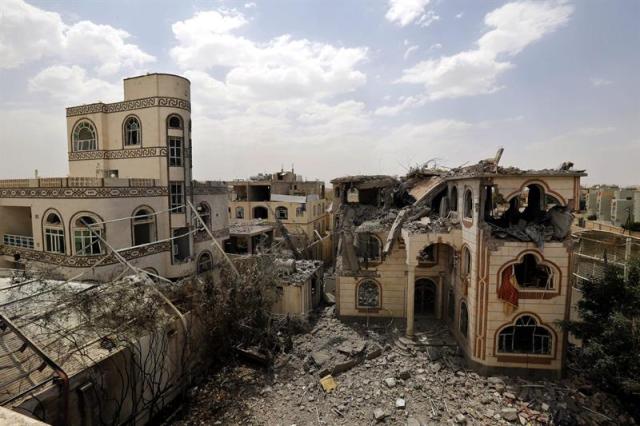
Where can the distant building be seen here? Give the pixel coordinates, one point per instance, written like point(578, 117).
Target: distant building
point(129, 184)
point(299, 205)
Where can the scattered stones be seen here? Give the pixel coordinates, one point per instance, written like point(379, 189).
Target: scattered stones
point(320, 358)
point(379, 414)
point(460, 419)
point(400, 403)
point(509, 395)
point(374, 352)
point(404, 374)
point(390, 382)
point(509, 414)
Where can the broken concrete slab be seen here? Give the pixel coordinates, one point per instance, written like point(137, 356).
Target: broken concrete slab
point(320, 358)
point(379, 414)
point(390, 382)
point(400, 403)
point(328, 383)
point(347, 365)
point(374, 352)
point(510, 414)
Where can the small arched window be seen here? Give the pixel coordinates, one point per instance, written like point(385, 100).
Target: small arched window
point(86, 236)
point(525, 336)
point(205, 263)
point(368, 294)
point(468, 204)
point(464, 319)
point(132, 132)
point(239, 212)
point(144, 226)
point(453, 199)
point(54, 234)
point(175, 122)
point(369, 247)
point(465, 269)
point(84, 137)
point(531, 274)
point(282, 212)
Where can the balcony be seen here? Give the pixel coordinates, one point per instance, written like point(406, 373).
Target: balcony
point(22, 241)
point(78, 182)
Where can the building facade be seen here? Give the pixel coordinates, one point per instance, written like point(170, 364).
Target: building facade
point(484, 248)
point(129, 187)
point(299, 205)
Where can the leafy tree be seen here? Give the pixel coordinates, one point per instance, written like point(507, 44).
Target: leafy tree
point(609, 327)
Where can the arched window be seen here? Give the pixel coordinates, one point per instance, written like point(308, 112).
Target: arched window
point(451, 306)
point(464, 319)
point(205, 263)
point(468, 204)
point(428, 254)
point(239, 212)
point(526, 336)
point(260, 212)
point(531, 274)
point(84, 137)
point(132, 132)
point(453, 199)
point(282, 212)
point(465, 267)
point(54, 233)
point(86, 233)
point(368, 294)
point(144, 226)
point(174, 122)
point(369, 247)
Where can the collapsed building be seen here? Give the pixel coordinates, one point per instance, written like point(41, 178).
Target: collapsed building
point(485, 248)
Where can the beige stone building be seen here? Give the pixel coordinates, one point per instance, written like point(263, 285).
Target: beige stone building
point(484, 248)
point(299, 205)
point(129, 187)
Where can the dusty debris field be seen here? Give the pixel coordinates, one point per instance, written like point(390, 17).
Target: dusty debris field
point(383, 378)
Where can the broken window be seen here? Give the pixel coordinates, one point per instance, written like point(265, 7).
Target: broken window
point(239, 212)
point(143, 227)
point(429, 254)
point(176, 192)
point(205, 263)
point(132, 132)
point(54, 234)
point(175, 152)
point(84, 137)
point(86, 236)
point(525, 337)
point(464, 319)
point(453, 199)
point(181, 248)
point(530, 273)
point(368, 294)
point(369, 248)
point(468, 204)
point(465, 269)
point(204, 211)
point(175, 122)
point(282, 212)
point(260, 212)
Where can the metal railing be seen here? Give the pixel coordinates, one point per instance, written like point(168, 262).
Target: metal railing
point(18, 241)
point(77, 182)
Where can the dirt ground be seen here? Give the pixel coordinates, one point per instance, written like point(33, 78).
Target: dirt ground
point(382, 377)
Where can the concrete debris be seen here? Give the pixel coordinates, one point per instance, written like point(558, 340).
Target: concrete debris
point(390, 382)
point(400, 403)
point(328, 383)
point(297, 272)
point(434, 392)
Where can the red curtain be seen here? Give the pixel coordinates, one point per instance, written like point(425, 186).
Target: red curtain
point(508, 290)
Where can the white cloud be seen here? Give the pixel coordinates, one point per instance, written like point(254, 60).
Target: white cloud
point(404, 12)
point(282, 67)
point(428, 18)
point(249, 5)
point(72, 86)
point(28, 33)
point(459, 15)
point(476, 71)
point(599, 82)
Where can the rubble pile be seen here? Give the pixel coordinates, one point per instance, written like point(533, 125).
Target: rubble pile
point(353, 374)
point(433, 223)
point(296, 271)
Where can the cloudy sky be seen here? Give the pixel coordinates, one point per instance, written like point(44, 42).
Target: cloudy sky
point(338, 87)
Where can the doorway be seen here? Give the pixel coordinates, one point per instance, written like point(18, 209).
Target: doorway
point(425, 297)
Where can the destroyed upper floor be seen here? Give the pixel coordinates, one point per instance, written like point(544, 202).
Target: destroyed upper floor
point(280, 186)
point(522, 205)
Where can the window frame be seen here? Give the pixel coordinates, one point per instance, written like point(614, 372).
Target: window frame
point(180, 121)
point(467, 199)
point(128, 132)
point(525, 321)
point(370, 236)
point(239, 212)
point(148, 219)
point(77, 143)
point(379, 295)
point(54, 234)
point(83, 236)
point(279, 215)
point(176, 206)
point(175, 151)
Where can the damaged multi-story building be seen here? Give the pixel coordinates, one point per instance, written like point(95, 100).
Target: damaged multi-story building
point(285, 200)
point(129, 189)
point(485, 248)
